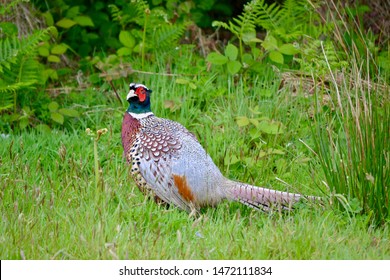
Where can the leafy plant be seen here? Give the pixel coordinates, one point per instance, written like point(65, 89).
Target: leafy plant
point(278, 52)
point(312, 58)
point(23, 75)
point(58, 114)
point(146, 30)
point(19, 66)
point(282, 23)
point(230, 59)
point(284, 42)
point(244, 26)
point(83, 28)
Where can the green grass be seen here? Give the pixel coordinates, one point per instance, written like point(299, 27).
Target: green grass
point(353, 146)
point(51, 209)
point(352, 139)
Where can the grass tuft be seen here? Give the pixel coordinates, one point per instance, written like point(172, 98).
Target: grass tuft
point(352, 137)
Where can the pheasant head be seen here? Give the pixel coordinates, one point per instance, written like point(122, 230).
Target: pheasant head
point(139, 99)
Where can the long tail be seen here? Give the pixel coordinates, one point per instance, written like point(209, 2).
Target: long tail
point(265, 199)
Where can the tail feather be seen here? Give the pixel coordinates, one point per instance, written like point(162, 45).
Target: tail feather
point(265, 199)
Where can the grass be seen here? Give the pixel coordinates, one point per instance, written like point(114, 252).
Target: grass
point(52, 209)
point(352, 141)
point(353, 147)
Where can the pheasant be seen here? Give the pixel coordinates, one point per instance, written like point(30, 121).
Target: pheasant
point(170, 164)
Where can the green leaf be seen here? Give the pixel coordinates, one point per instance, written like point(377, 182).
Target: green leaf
point(247, 59)
point(216, 58)
point(276, 56)
point(54, 32)
point(356, 205)
point(53, 75)
point(270, 43)
point(53, 106)
point(192, 85)
point(65, 23)
point(233, 67)
point(242, 121)
point(270, 127)
point(127, 39)
point(27, 111)
point(182, 81)
point(255, 122)
point(272, 151)
point(23, 122)
point(48, 18)
point(230, 160)
point(256, 110)
point(231, 52)
point(185, 82)
point(57, 117)
point(50, 73)
point(83, 20)
point(256, 52)
point(44, 128)
point(72, 11)
point(249, 36)
point(92, 36)
point(53, 58)
point(59, 49)
point(124, 51)
point(43, 51)
point(266, 92)
point(288, 49)
point(138, 48)
point(69, 112)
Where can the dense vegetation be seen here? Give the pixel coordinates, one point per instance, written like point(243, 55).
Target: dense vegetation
point(290, 96)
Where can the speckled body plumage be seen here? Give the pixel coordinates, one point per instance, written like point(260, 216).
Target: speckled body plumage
point(169, 163)
point(166, 153)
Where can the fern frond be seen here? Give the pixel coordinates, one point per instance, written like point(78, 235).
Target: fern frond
point(287, 21)
point(116, 13)
point(6, 97)
point(24, 73)
point(230, 27)
point(8, 89)
point(12, 48)
point(18, 65)
point(268, 16)
point(133, 12)
point(9, 49)
point(29, 71)
point(295, 14)
point(313, 55)
point(168, 35)
point(295, 11)
point(244, 23)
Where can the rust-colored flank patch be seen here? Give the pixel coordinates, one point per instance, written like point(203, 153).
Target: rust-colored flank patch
point(183, 188)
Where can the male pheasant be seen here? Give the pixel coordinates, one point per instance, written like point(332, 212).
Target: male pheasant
point(170, 164)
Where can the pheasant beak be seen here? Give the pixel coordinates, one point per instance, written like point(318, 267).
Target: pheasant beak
point(131, 94)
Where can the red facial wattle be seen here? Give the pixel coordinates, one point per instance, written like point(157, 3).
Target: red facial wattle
point(141, 93)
